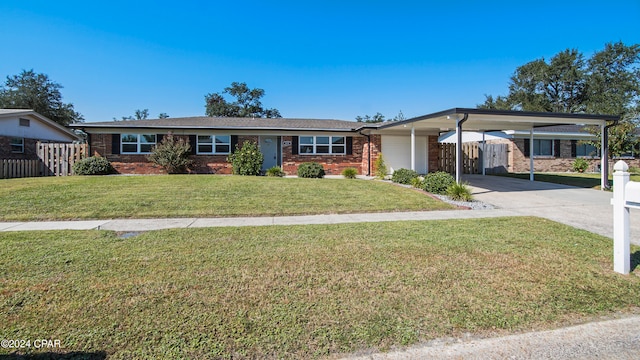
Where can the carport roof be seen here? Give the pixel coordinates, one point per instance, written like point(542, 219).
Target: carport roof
point(490, 119)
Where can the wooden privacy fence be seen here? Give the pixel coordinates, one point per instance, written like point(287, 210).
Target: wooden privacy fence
point(470, 158)
point(14, 168)
point(58, 159)
point(54, 159)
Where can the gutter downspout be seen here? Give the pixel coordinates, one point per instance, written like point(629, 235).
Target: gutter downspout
point(604, 163)
point(459, 147)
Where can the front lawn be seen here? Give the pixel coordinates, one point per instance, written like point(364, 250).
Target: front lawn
point(303, 291)
point(163, 196)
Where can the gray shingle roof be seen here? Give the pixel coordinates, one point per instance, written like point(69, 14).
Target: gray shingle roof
point(204, 122)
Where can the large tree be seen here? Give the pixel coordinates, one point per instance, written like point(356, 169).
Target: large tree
point(246, 103)
point(30, 90)
point(607, 83)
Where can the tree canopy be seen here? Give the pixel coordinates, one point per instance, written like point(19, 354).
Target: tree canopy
point(245, 103)
point(378, 118)
point(606, 83)
point(29, 90)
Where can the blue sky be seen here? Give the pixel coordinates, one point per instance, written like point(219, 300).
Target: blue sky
point(315, 59)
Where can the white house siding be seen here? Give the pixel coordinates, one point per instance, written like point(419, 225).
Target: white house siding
point(10, 127)
point(397, 152)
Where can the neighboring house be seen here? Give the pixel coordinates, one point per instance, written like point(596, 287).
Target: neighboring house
point(337, 144)
point(21, 129)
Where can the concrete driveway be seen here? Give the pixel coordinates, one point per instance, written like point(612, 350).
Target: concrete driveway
point(581, 208)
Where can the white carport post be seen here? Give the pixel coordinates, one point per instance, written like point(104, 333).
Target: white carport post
point(413, 148)
point(483, 145)
point(531, 154)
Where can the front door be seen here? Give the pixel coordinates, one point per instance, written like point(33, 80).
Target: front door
point(269, 147)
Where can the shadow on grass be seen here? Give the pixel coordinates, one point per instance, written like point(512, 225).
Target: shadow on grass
point(76, 355)
point(635, 260)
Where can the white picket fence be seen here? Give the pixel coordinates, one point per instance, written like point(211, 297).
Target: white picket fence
point(626, 195)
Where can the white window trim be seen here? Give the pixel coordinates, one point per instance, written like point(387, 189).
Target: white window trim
point(21, 145)
point(213, 145)
point(138, 143)
point(315, 144)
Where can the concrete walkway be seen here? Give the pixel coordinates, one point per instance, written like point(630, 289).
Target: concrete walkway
point(158, 224)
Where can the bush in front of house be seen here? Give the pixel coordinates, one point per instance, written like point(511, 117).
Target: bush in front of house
point(580, 165)
point(459, 192)
point(246, 160)
point(275, 171)
point(94, 165)
point(172, 154)
point(350, 173)
point(404, 176)
point(438, 182)
point(310, 170)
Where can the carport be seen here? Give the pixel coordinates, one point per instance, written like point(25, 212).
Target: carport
point(487, 120)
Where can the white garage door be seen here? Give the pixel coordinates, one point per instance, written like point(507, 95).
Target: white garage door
point(397, 153)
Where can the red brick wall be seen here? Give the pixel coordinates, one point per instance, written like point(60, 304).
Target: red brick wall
point(30, 149)
point(433, 149)
point(333, 164)
point(217, 164)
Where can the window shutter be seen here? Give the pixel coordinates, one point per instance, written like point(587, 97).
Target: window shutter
point(349, 145)
point(159, 138)
point(193, 142)
point(234, 142)
point(527, 145)
point(556, 148)
point(573, 148)
point(294, 145)
point(115, 143)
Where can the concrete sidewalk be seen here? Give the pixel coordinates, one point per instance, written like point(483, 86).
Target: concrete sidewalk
point(126, 225)
point(609, 339)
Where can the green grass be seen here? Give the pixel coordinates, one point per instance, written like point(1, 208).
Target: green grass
point(303, 291)
point(104, 197)
point(589, 180)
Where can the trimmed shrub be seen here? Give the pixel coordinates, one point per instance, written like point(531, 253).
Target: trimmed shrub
point(380, 168)
point(580, 165)
point(275, 171)
point(438, 182)
point(403, 176)
point(459, 192)
point(95, 165)
point(417, 182)
point(310, 170)
point(246, 160)
point(350, 173)
point(172, 155)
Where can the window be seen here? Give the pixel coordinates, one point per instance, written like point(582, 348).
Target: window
point(542, 147)
point(214, 144)
point(586, 150)
point(25, 122)
point(137, 143)
point(322, 145)
point(17, 145)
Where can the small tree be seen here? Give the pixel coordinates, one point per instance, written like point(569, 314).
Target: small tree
point(380, 168)
point(172, 155)
point(246, 160)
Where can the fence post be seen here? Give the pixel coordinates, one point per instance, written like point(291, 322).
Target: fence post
point(621, 248)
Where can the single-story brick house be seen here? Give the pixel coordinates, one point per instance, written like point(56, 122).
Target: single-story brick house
point(21, 129)
point(336, 144)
